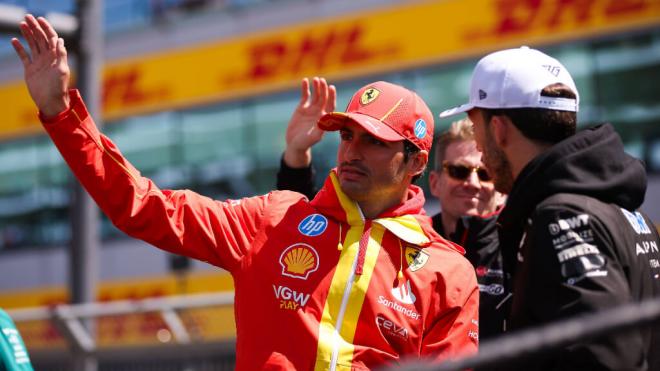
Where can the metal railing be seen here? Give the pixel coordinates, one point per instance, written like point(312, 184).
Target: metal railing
point(513, 347)
point(69, 319)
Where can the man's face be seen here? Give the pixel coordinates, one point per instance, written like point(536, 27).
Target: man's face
point(370, 169)
point(468, 196)
point(493, 156)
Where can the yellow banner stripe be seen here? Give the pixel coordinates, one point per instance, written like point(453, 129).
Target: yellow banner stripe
point(343, 47)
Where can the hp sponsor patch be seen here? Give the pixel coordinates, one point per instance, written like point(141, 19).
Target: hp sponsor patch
point(313, 225)
point(420, 128)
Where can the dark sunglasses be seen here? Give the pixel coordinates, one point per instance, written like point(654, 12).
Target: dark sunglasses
point(462, 172)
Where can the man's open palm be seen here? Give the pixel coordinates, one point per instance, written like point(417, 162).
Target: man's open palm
point(302, 132)
point(46, 68)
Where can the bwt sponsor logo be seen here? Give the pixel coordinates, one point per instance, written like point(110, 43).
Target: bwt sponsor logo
point(290, 299)
point(391, 328)
point(568, 224)
point(313, 225)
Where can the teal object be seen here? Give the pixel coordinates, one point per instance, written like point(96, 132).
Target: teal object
point(13, 353)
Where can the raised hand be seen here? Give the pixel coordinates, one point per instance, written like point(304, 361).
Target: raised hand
point(46, 68)
point(302, 132)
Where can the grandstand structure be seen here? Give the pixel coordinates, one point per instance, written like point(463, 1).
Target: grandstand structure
point(197, 94)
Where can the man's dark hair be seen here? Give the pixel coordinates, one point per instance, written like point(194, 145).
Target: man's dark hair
point(409, 149)
point(541, 124)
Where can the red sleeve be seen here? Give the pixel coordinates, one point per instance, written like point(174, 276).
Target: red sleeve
point(179, 221)
point(454, 332)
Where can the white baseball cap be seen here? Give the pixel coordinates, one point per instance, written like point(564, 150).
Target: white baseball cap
point(514, 78)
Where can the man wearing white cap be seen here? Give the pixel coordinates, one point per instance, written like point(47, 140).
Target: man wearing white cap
point(352, 280)
point(570, 233)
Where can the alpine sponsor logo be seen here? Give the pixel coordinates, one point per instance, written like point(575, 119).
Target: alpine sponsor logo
point(494, 289)
point(388, 327)
point(290, 299)
point(313, 225)
point(403, 293)
point(299, 261)
point(416, 258)
point(646, 247)
point(574, 222)
point(577, 251)
point(399, 308)
point(636, 221)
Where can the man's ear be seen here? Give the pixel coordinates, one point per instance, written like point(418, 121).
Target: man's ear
point(434, 182)
point(418, 162)
point(500, 128)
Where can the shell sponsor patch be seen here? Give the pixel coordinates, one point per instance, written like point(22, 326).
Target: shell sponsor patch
point(299, 261)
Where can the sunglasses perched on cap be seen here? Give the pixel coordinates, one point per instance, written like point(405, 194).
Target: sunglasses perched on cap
point(462, 172)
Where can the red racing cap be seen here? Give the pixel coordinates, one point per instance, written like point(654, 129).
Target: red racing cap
point(387, 111)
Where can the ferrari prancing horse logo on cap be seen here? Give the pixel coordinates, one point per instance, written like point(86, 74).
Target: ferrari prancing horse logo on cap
point(369, 96)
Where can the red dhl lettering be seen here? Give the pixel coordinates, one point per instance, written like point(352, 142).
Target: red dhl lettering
point(122, 88)
point(316, 50)
point(514, 17)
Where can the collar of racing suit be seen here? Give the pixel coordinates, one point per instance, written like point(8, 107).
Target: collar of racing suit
point(407, 221)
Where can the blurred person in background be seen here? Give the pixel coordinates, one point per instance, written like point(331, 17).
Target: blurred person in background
point(571, 234)
point(460, 181)
point(354, 279)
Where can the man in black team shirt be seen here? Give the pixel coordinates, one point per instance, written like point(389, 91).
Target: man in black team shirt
point(459, 180)
point(571, 234)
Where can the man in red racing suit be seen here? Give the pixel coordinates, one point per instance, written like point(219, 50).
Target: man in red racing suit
point(339, 282)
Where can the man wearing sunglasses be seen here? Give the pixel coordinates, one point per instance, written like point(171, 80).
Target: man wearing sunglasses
point(571, 234)
point(460, 181)
point(469, 207)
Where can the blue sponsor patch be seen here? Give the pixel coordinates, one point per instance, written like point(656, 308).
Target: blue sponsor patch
point(313, 225)
point(420, 128)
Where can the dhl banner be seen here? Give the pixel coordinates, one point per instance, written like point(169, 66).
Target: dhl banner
point(212, 323)
point(387, 39)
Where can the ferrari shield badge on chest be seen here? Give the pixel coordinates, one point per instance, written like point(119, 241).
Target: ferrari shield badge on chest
point(416, 258)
